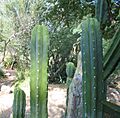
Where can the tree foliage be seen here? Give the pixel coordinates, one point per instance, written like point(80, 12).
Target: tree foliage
point(17, 18)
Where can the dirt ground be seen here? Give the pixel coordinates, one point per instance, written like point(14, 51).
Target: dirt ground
point(56, 97)
point(56, 100)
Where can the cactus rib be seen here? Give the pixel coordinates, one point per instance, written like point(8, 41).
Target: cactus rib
point(38, 81)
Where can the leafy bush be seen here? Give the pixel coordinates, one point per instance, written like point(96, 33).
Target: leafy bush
point(8, 62)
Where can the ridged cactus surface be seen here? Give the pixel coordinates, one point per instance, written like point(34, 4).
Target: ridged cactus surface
point(112, 57)
point(38, 80)
point(70, 69)
point(102, 11)
point(19, 103)
point(91, 45)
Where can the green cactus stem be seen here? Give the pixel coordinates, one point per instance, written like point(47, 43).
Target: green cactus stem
point(112, 56)
point(102, 11)
point(92, 84)
point(19, 103)
point(70, 70)
point(38, 80)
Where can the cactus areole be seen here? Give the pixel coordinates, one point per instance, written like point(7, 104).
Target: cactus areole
point(38, 80)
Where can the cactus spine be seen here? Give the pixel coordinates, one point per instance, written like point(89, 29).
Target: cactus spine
point(38, 80)
point(91, 45)
point(19, 103)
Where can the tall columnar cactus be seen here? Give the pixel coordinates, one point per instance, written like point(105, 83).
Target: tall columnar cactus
point(70, 70)
point(102, 11)
point(38, 80)
point(19, 103)
point(91, 45)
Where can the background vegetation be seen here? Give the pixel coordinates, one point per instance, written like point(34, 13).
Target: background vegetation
point(18, 17)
